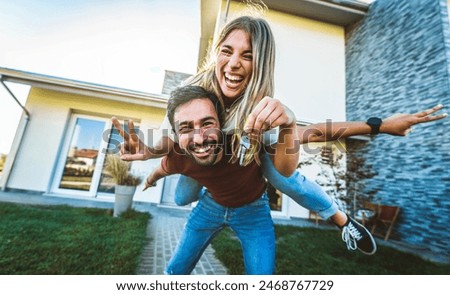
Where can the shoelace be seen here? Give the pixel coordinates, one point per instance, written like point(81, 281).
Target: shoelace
point(350, 235)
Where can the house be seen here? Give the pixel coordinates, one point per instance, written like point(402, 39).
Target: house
point(336, 60)
point(75, 114)
point(60, 142)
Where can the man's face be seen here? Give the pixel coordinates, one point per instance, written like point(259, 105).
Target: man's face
point(198, 130)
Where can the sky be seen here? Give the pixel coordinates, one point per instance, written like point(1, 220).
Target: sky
point(121, 43)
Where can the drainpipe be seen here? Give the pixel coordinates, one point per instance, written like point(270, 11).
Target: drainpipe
point(227, 9)
point(7, 168)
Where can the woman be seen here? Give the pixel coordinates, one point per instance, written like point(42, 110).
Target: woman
point(240, 71)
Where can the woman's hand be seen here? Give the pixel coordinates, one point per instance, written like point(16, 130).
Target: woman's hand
point(401, 124)
point(269, 113)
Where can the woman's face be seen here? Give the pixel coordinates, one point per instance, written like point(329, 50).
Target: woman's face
point(234, 64)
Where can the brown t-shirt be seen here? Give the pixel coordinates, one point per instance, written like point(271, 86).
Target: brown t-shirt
point(230, 185)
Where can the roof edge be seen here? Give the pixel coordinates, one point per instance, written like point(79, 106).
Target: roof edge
point(83, 88)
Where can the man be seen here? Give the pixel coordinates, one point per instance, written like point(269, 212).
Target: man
point(235, 194)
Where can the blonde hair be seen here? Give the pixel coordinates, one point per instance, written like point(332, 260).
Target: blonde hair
point(261, 83)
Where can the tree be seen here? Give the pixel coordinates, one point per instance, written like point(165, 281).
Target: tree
point(357, 171)
point(341, 177)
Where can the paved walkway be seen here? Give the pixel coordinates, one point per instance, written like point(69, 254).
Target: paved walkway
point(164, 230)
point(165, 227)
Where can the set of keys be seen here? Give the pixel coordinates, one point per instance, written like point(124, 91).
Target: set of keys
point(244, 146)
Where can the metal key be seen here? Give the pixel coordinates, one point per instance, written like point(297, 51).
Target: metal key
point(244, 146)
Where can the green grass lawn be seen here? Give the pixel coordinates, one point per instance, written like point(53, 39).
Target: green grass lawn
point(303, 251)
point(66, 240)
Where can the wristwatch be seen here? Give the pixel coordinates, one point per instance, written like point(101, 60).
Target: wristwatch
point(375, 124)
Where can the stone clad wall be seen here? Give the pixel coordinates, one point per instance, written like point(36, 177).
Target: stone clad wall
point(397, 60)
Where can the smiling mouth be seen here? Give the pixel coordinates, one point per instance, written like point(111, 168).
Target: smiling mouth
point(233, 80)
point(203, 150)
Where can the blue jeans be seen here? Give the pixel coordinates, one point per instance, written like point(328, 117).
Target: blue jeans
point(303, 191)
point(252, 224)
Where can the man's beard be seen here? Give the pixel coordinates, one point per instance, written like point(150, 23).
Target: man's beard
point(210, 146)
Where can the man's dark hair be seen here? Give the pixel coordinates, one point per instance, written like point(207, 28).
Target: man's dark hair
point(184, 94)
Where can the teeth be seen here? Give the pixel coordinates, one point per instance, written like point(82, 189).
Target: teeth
point(202, 150)
point(233, 78)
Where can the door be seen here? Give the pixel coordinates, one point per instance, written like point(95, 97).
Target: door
point(88, 142)
point(104, 187)
point(277, 201)
point(170, 185)
point(77, 172)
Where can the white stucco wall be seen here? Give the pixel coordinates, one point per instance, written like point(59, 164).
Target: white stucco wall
point(51, 111)
point(310, 67)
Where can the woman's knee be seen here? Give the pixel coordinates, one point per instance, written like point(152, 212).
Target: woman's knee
point(187, 191)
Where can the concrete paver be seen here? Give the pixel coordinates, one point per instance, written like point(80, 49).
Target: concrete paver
point(164, 230)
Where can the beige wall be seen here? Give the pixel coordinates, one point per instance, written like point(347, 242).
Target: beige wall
point(50, 113)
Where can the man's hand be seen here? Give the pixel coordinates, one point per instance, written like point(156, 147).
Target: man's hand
point(132, 148)
point(149, 182)
point(401, 124)
point(154, 176)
